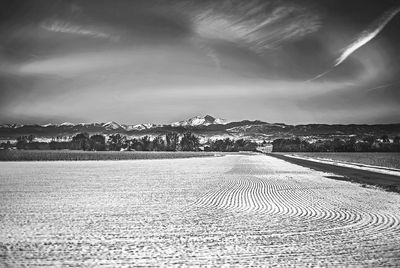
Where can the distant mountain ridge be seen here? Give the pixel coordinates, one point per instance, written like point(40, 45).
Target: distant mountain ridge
point(196, 121)
point(206, 127)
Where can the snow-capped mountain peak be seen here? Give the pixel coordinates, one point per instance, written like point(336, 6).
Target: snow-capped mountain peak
point(66, 124)
point(140, 126)
point(199, 121)
point(112, 125)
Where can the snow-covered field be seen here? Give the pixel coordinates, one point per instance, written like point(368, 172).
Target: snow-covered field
point(239, 210)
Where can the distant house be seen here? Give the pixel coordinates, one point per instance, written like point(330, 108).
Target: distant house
point(265, 149)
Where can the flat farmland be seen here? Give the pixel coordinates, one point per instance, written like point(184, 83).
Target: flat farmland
point(239, 209)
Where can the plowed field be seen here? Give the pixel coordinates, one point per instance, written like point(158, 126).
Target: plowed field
point(234, 210)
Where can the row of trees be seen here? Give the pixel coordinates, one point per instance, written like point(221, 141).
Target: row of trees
point(169, 142)
point(228, 145)
point(174, 141)
point(118, 142)
point(367, 144)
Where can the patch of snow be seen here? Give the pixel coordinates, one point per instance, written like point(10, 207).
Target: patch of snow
point(221, 121)
point(140, 126)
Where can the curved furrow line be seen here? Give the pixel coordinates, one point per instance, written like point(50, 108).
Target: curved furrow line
point(254, 195)
point(248, 203)
point(348, 218)
point(230, 197)
point(247, 198)
point(269, 191)
point(243, 198)
point(298, 202)
point(207, 198)
point(291, 197)
point(246, 195)
point(380, 223)
point(271, 199)
point(365, 220)
point(222, 197)
point(261, 197)
point(322, 213)
point(284, 200)
point(224, 201)
point(240, 196)
point(359, 220)
point(281, 203)
point(290, 205)
point(236, 200)
point(215, 199)
point(275, 197)
point(257, 194)
point(212, 198)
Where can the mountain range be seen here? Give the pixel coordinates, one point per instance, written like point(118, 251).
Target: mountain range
point(206, 127)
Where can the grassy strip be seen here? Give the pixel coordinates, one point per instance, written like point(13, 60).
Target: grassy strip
point(390, 160)
point(65, 155)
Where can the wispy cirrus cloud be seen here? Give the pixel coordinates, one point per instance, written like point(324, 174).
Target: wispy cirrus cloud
point(60, 26)
point(252, 24)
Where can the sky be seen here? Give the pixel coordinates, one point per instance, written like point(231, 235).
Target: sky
point(160, 61)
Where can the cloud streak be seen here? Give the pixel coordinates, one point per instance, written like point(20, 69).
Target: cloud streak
point(367, 35)
point(362, 39)
point(60, 26)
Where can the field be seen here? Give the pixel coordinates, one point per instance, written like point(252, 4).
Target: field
point(69, 155)
point(236, 210)
point(391, 160)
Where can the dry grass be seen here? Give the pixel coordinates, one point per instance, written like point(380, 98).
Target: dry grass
point(66, 155)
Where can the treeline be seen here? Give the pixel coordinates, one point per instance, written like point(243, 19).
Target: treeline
point(229, 145)
point(366, 144)
point(169, 142)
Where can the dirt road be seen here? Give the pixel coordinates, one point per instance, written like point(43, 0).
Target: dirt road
point(388, 182)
